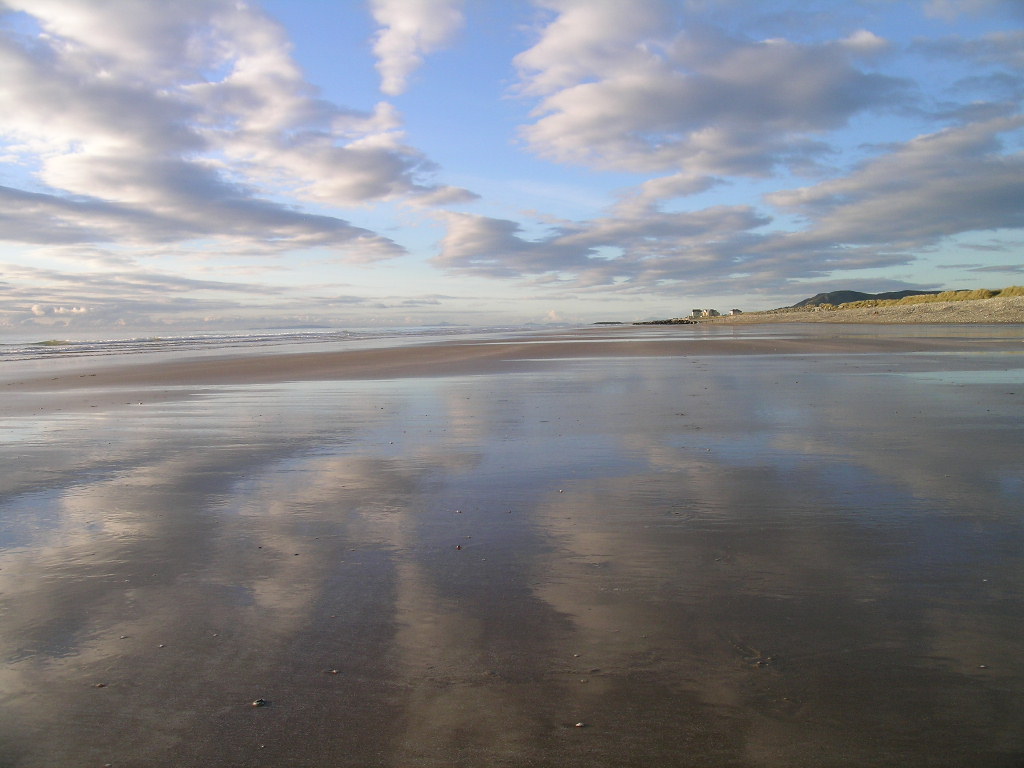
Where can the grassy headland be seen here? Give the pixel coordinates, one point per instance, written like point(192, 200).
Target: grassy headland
point(974, 306)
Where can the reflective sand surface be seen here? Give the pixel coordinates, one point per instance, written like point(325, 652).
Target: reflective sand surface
point(765, 560)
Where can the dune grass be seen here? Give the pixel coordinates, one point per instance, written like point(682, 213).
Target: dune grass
point(979, 293)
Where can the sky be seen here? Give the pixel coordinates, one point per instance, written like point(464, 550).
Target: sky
point(223, 164)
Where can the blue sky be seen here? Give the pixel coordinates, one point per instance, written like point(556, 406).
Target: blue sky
point(212, 164)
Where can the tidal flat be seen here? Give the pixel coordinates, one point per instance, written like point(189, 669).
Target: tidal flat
point(717, 546)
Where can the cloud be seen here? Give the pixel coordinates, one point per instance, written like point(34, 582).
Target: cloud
point(865, 42)
point(624, 253)
point(57, 286)
point(195, 204)
point(40, 310)
point(33, 296)
point(137, 132)
point(1012, 269)
point(153, 123)
point(493, 247)
point(587, 39)
point(940, 184)
point(935, 186)
point(1004, 48)
point(410, 29)
point(950, 10)
point(621, 88)
point(29, 295)
point(443, 196)
point(29, 217)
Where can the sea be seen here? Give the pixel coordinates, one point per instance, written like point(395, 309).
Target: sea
point(25, 347)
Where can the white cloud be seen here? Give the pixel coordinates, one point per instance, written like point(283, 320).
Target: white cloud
point(150, 122)
point(957, 180)
point(650, 247)
point(493, 247)
point(443, 196)
point(410, 29)
point(29, 295)
point(935, 186)
point(147, 298)
point(626, 88)
point(590, 39)
point(865, 41)
point(139, 133)
point(623, 88)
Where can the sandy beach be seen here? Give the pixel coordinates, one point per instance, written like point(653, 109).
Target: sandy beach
point(103, 382)
point(721, 545)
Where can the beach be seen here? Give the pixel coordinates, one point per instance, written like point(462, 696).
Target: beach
point(708, 545)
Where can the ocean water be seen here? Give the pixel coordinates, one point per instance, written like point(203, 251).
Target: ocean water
point(38, 347)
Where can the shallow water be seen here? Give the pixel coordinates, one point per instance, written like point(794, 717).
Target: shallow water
point(716, 561)
point(19, 347)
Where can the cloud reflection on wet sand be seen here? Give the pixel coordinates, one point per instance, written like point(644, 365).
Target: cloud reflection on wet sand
point(757, 561)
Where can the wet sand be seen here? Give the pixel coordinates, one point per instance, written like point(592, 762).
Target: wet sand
point(109, 382)
point(628, 546)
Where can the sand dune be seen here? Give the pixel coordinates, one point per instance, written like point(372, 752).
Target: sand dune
point(997, 310)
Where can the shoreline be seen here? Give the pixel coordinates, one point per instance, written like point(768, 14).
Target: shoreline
point(112, 382)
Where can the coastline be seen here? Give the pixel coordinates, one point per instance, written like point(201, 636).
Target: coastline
point(112, 382)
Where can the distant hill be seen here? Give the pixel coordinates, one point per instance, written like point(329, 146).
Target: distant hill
point(843, 297)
